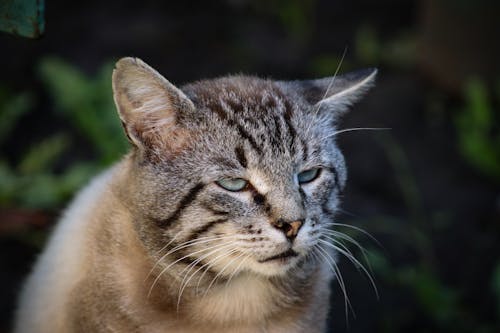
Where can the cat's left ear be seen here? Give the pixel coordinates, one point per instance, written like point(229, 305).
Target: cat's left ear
point(337, 92)
point(149, 107)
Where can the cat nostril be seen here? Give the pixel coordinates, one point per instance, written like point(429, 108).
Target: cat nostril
point(290, 229)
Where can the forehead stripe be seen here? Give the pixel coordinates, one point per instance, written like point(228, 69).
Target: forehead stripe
point(291, 130)
point(231, 122)
point(240, 156)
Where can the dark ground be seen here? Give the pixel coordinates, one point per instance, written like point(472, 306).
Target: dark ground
point(436, 216)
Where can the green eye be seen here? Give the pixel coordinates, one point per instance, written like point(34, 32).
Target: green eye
point(232, 184)
point(308, 175)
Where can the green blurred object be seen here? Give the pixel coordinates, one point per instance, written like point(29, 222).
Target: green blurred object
point(479, 140)
point(398, 51)
point(23, 17)
point(12, 107)
point(88, 103)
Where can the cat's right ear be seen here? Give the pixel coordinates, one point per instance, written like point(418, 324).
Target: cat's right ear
point(338, 92)
point(148, 106)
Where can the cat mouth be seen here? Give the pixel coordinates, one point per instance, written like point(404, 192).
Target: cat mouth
point(281, 257)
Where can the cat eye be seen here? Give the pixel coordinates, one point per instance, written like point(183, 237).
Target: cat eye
point(308, 176)
point(232, 184)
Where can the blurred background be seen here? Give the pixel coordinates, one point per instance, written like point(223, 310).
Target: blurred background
point(427, 190)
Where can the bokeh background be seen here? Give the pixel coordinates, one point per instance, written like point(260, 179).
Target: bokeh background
point(427, 189)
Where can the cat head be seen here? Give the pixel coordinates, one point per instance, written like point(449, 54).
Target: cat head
point(233, 174)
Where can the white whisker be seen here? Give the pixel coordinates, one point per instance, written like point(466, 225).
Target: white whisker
point(220, 273)
point(173, 263)
point(355, 129)
point(364, 232)
point(334, 235)
point(184, 245)
point(318, 106)
point(355, 261)
point(185, 282)
point(236, 269)
point(333, 265)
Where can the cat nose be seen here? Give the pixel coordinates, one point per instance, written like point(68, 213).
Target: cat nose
point(290, 229)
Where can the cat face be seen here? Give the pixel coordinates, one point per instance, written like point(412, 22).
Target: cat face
point(233, 174)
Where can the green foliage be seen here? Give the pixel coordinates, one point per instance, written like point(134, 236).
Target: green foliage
point(34, 184)
point(295, 16)
point(439, 301)
point(12, 107)
point(398, 51)
point(325, 65)
point(88, 104)
point(477, 129)
point(422, 277)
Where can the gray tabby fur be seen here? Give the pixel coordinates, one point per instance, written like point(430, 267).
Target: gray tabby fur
point(155, 245)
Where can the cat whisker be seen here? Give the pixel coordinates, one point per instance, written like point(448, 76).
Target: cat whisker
point(221, 271)
point(194, 242)
point(190, 267)
point(355, 261)
point(236, 270)
point(175, 262)
point(339, 243)
point(199, 240)
point(354, 129)
point(199, 259)
point(327, 91)
point(185, 282)
point(364, 232)
point(333, 265)
point(334, 235)
point(168, 244)
point(210, 264)
point(343, 211)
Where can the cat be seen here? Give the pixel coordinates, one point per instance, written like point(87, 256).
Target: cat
point(215, 221)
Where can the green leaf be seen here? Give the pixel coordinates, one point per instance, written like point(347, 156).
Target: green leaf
point(475, 129)
point(41, 157)
point(9, 182)
point(439, 301)
point(88, 104)
point(11, 109)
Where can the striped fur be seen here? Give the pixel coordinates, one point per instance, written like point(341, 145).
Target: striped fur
point(160, 246)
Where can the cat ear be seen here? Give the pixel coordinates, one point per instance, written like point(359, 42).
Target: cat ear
point(337, 92)
point(148, 105)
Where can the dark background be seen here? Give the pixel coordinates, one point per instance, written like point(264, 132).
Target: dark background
point(428, 189)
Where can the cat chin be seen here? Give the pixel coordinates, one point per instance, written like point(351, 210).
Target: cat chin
point(278, 267)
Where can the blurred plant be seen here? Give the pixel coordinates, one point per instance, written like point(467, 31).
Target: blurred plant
point(296, 16)
point(477, 130)
point(30, 175)
point(446, 305)
point(325, 64)
point(398, 51)
point(88, 104)
point(12, 107)
point(33, 182)
point(369, 50)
